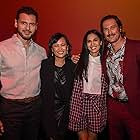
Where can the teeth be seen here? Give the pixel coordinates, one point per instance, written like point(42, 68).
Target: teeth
point(93, 48)
point(60, 52)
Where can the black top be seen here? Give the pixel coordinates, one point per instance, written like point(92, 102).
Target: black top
point(60, 83)
point(56, 90)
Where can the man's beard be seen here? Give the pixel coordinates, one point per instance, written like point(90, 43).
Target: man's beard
point(114, 40)
point(24, 37)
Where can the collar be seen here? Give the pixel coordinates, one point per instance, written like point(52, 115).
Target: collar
point(19, 42)
point(111, 48)
point(94, 59)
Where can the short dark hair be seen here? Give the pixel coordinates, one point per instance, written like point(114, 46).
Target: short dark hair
point(118, 21)
point(54, 38)
point(27, 10)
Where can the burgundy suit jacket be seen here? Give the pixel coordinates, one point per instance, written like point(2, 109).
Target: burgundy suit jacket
point(131, 75)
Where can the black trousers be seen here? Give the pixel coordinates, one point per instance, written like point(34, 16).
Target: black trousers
point(21, 120)
point(67, 135)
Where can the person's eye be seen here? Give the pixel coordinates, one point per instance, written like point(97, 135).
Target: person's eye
point(63, 44)
point(105, 29)
point(24, 23)
point(88, 41)
point(32, 24)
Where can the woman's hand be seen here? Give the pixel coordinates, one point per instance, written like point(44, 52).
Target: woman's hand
point(75, 58)
point(1, 128)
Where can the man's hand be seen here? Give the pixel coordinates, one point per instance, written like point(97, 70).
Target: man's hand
point(75, 58)
point(1, 128)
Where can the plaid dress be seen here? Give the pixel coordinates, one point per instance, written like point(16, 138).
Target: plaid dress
point(88, 111)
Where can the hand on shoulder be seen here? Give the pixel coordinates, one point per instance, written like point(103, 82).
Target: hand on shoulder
point(1, 128)
point(75, 58)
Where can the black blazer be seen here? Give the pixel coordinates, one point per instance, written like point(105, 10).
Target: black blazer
point(47, 93)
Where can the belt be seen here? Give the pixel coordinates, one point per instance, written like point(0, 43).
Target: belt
point(24, 100)
point(118, 100)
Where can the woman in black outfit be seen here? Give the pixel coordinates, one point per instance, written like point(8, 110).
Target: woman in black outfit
point(56, 88)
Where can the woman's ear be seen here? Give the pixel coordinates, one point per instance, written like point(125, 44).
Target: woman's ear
point(101, 43)
point(67, 48)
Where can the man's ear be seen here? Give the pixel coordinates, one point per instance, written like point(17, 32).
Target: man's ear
point(15, 24)
point(36, 26)
point(120, 29)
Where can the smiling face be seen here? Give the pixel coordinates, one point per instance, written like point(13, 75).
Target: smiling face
point(60, 48)
point(93, 44)
point(26, 26)
point(111, 30)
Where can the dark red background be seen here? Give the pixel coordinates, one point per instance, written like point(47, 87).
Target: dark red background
point(72, 17)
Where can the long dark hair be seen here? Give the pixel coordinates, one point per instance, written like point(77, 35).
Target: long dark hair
point(81, 69)
point(54, 38)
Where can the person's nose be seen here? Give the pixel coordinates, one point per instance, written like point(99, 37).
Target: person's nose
point(109, 31)
point(92, 43)
point(28, 26)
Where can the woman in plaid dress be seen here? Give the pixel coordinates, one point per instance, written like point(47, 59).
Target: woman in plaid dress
point(88, 112)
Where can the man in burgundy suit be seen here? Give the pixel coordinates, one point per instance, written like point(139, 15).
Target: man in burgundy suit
point(122, 64)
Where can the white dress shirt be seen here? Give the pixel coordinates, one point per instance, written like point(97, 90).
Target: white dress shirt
point(19, 68)
point(93, 86)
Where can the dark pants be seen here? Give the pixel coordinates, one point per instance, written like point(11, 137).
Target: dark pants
point(21, 120)
point(122, 124)
point(68, 135)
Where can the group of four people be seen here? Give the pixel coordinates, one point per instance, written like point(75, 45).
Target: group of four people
point(101, 87)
